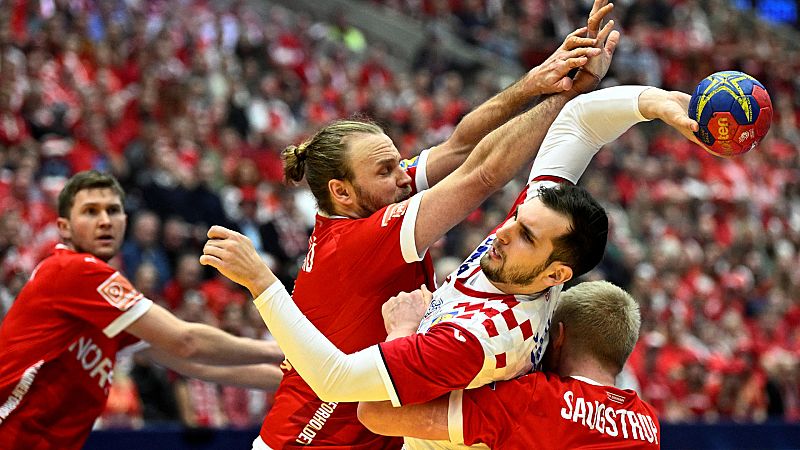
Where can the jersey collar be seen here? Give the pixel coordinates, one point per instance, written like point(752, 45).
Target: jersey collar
point(585, 380)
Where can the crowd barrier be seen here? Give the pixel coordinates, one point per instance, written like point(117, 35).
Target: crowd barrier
point(769, 436)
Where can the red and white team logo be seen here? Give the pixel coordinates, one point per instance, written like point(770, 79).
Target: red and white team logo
point(393, 211)
point(119, 292)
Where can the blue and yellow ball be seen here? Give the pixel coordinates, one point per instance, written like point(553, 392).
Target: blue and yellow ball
point(734, 112)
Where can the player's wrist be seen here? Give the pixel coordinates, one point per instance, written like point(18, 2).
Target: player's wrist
point(261, 283)
point(400, 333)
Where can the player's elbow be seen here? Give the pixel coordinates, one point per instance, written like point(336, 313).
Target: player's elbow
point(372, 416)
point(488, 180)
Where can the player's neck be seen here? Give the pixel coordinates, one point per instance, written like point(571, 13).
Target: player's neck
point(533, 289)
point(586, 367)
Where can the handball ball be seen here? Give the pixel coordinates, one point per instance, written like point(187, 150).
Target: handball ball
point(733, 110)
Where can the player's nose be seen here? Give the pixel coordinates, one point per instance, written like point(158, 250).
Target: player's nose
point(404, 179)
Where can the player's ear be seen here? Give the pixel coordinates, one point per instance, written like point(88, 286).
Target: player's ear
point(341, 192)
point(559, 341)
point(558, 273)
point(64, 228)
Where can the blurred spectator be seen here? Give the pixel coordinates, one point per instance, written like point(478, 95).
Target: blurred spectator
point(185, 284)
point(189, 103)
point(144, 246)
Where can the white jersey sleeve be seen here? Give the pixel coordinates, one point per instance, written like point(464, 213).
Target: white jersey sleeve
point(585, 124)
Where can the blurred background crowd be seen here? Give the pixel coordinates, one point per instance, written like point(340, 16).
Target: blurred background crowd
point(189, 103)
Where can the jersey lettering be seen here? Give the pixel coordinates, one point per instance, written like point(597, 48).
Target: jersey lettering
point(91, 358)
point(315, 424)
point(606, 420)
point(20, 390)
point(308, 263)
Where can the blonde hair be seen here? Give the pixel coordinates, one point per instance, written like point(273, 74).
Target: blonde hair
point(323, 157)
point(601, 320)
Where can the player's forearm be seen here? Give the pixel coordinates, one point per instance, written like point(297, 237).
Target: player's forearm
point(495, 161)
point(255, 376)
point(505, 150)
point(332, 375)
point(482, 120)
point(211, 345)
point(423, 421)
point(584, 125)
point(491, 115)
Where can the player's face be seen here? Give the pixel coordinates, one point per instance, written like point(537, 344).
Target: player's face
point(378, 179)
point(96, 223)
point(518, 259)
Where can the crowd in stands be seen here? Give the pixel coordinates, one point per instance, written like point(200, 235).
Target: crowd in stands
point(189, 105)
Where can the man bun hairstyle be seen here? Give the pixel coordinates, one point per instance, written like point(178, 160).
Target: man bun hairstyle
point(323, 157)
point(88, 179)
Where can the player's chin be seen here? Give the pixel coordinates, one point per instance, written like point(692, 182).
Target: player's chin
point(405, 194)
point(106, 251)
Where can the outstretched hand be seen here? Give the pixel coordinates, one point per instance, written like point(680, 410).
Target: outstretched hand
point(551, 76)
point(670, 107)
point(591, 73)
point(235, 257)
point(403, 312)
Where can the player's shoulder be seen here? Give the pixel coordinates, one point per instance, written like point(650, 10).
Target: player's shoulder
point(72, 263)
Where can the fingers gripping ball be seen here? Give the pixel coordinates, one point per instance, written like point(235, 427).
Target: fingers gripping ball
point(734, 112)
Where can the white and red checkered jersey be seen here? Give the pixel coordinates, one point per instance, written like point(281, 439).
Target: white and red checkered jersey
point(352, 267)
point(472, 333)
point(542, 410)
point(58, 345)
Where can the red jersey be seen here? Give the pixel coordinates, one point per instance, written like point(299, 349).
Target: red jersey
point(353, 266)
point(58, 344)
point(493, 336)
point(542, 410)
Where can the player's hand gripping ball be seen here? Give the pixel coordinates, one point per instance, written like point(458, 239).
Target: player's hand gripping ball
point(733, 110)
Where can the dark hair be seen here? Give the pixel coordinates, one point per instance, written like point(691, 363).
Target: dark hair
point(323, 157)
point(584, 244)
point(88, 179)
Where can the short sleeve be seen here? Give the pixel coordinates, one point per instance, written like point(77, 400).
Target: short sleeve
point(94, 292)
point(397, 223)
point(488, 414)
point(422, 367)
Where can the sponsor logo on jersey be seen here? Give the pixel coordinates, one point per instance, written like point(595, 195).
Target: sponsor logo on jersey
point(616, 398)
point(119, 292)
point(393, 211)
point(434, 307)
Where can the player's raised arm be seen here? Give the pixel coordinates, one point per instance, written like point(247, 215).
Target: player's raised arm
point(500, 154)
point(592, 120)
point(550, 77)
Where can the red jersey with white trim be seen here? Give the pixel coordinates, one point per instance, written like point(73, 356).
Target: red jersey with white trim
point(492, 335)
point(543, 410)
point(58, 345)
point(353, 266)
